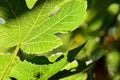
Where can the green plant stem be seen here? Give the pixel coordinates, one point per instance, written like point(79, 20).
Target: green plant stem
point(10, 63)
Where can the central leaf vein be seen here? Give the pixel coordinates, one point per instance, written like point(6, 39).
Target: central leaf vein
point(35, 21)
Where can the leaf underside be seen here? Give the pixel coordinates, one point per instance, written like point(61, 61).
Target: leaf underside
point(34, 29)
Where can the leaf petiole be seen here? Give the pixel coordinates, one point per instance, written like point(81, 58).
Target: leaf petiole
point(10, 62)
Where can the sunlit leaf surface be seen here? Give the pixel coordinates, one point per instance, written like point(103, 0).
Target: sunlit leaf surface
point(34, 29)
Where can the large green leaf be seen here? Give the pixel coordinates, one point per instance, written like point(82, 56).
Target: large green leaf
point(25, 71)
point(34, 29)
point(46, 71)
point(28, 71)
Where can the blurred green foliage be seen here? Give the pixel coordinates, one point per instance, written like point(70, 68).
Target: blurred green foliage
point(101, 30)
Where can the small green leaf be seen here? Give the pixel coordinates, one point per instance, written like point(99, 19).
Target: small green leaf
point(30, 3)
point(25, 71)
point(53, 57)
point(71, 65)
point(29, 71)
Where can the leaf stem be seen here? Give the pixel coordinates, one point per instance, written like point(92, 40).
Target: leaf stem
point(10, 62)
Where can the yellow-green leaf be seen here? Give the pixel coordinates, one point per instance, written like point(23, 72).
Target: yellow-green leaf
point(30, 3)
point(34, 30)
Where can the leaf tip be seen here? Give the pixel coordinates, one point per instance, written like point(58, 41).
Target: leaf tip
point(30, 3)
